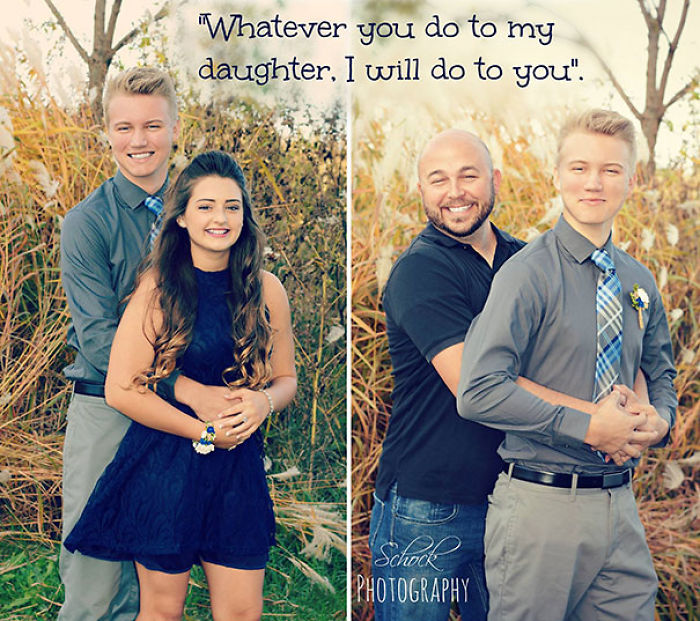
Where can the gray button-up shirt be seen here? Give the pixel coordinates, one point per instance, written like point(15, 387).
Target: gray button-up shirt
point(540, 322)
point(103, 240)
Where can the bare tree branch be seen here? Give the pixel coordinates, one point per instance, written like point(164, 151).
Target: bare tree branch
point(645, 11)
point(69, 33)
point(653, 28)
point(585, 43)
point(683, 92)
point(673, 46)
point(111, 27)
point(103, 49)
point(651, 115)
point(661, 11)
point(98, 32)
point(131, 35)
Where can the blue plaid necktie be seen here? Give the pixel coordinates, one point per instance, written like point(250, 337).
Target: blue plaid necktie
point(609, 321)
point(154, 204)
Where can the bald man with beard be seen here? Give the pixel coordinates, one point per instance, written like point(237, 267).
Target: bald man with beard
point(436, 469)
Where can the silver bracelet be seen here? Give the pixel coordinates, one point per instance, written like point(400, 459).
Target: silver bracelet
point(269, 400)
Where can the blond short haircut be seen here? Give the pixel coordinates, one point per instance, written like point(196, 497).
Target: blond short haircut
point(598, 121)
point(140, 81)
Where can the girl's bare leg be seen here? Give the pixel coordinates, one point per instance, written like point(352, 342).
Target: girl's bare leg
point(162, 594)
point(236, 594)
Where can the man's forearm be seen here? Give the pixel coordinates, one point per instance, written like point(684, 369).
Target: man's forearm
point(555, 397)
point(166, 386)
point(559, 398)
point(186, 390)
point(209, 402)
point(496, 400)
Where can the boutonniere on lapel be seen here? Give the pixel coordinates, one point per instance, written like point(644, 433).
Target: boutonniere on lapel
point(640, 302)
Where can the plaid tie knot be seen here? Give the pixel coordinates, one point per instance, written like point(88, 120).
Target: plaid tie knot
point(154, 204)
point(611, 282)
point(602, 260)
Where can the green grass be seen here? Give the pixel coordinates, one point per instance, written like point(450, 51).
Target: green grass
point(29, 583)
point(30, 587)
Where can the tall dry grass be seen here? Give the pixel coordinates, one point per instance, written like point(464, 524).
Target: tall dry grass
point(50, 159)
point(659, 226)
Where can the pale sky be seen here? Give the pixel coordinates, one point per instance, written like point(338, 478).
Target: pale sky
point(615, 27)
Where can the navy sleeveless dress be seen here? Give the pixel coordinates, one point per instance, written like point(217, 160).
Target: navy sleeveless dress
point(164, 505)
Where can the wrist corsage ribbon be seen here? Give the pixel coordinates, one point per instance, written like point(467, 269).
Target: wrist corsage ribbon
point(205, 444)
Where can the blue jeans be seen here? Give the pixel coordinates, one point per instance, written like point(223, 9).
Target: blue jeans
point(424, 556)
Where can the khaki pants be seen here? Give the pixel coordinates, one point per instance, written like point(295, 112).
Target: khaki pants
point(95, 590)
point(557, 555)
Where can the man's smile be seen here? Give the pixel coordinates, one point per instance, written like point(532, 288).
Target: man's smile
point(460, 208)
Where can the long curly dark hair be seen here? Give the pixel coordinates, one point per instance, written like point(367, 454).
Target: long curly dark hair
point(175, 294)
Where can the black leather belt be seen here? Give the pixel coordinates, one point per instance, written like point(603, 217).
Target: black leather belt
point(585, 481)
point(91, 390)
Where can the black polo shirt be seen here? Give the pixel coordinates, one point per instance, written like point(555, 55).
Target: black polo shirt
point(435, 289)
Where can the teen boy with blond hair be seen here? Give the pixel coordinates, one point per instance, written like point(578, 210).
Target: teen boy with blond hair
point(103, 240)
point(578, 315)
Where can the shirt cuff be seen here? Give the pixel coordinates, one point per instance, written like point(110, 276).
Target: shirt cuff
point(668, 417)
point(571, 427)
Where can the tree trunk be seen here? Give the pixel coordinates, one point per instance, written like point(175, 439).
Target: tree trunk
point(658, 68)
point(650, 128)
point(103, 46)
point(97, 74)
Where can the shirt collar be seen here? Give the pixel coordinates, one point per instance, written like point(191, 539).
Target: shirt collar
point(439, 237)
point(578, 246)
point(132, 194)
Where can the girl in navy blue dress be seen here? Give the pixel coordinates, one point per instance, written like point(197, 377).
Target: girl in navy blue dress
point(180, 490)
